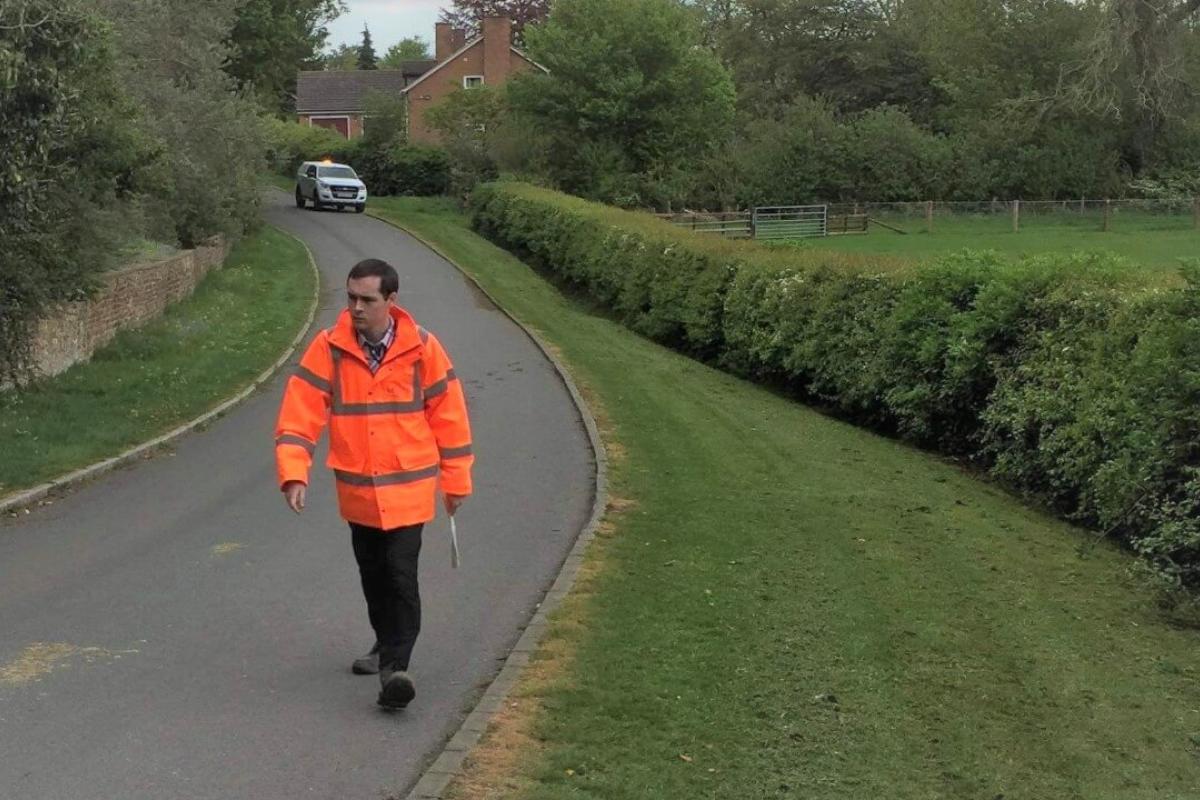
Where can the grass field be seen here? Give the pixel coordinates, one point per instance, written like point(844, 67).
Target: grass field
point(782, 605)
point(1158, 242)
point(151, 379)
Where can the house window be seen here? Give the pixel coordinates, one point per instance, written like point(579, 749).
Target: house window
point(472, 81)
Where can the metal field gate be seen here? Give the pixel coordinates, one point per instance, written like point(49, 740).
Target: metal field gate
point(789, 222)
point(766, 222)
point(730, 224)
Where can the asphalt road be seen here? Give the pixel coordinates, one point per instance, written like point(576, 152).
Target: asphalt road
point(172, 631)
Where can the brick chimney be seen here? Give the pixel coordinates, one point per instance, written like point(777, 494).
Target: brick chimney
point(443, 41)
point(497, 41)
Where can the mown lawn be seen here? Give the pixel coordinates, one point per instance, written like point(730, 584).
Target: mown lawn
point(1155, 242)
point(783, 605)
point(151, 379)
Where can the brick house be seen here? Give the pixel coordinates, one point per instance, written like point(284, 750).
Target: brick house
point(337, 99)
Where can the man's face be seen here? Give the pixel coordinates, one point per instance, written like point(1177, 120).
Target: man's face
point(368, 307)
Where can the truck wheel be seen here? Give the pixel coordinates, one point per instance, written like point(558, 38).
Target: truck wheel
point(360, 208)
point(299, 198)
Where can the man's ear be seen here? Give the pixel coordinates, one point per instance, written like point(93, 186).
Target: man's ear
point(391, 298)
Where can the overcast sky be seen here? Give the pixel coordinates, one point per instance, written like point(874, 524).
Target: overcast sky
point(389, 21)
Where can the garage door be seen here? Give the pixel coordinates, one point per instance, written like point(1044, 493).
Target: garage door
point(339, 124)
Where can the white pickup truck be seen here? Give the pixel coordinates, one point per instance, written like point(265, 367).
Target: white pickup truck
point(329, 185)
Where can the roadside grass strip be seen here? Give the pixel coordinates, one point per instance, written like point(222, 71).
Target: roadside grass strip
point(784, 605)
point(153, 378)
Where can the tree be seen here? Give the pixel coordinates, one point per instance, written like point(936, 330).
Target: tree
point(848, 51)
point(466, 14)
point(366, 52)
point(171, 54)
point(631, 101)
point(271, 40)
point(341, 57)
point(1135, 70)
point(72, 162)
point(413, 48)
point(467, 121)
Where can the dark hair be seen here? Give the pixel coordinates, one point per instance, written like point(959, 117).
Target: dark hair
point(389, 281)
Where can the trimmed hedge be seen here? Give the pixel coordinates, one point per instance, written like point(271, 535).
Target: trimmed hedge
point(1075, 378)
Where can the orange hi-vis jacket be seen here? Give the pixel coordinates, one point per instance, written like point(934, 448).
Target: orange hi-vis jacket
point(390, 434)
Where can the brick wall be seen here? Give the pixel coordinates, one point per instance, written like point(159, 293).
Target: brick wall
point(128, 297)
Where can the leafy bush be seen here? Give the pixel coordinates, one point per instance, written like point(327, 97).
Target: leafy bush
point(405, 170)
point(467, 121)
point(387, 166)
point(1074, 378)
point(291, 143)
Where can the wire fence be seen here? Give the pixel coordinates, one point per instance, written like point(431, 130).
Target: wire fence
point(1017, 215)
point(984, 216)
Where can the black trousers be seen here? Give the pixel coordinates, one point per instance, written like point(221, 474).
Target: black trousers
point(387, 564)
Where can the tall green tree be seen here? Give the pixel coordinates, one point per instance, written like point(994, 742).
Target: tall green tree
point(1139, 70)
point(631, 102)
point(467, 14)
point(171, 55)
point(271, 40)
point(72, 161)
point(412, 48)
point(844, 50)
point(366, 52)
point(340, 58)
point(467, 122)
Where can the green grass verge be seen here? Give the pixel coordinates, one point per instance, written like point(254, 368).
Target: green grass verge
point(1156, 242)
point(284, 182)
point(149, 380)
point(793, 607)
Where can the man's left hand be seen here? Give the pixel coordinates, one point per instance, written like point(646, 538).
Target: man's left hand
point(453, 501)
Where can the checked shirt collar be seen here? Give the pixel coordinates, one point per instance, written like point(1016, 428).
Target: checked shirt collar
point(375, 352)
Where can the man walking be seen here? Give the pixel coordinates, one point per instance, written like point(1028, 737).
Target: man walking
point(397, 421)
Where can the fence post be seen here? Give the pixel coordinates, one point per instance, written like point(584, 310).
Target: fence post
point(1107, 214)
point(1016, 216)
point(1196, 212)
point(754, 223)
point(1082, 206)
point(929, 216)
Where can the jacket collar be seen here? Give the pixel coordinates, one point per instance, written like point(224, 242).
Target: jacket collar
point(344, 337)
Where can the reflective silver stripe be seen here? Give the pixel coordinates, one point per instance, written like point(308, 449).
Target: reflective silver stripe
point(310, 377)
point(336, 377)
point(441, 386)
point(289, 438)
point(388, 478)
point(455, 452)
point(424, 334)
point(418, 371)
point(363, 409)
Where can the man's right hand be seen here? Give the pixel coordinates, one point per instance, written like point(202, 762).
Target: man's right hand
point(293, 493)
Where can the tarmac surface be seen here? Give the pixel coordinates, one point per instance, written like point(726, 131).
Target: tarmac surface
point(171, 630)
